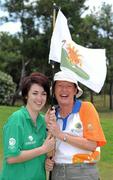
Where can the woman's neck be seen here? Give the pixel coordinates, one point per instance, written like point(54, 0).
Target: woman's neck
point(65, 110)
point(33, 114)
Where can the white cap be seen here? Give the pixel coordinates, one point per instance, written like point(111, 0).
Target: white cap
point(66, 76)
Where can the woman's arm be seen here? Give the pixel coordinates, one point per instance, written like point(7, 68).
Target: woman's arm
point(30, 154)
point(76, 141)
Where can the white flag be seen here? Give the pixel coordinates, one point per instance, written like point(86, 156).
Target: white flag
point(61, 32)
point(86, 64)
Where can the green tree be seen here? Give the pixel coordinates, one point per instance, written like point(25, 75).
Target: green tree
point(103, 26)
point(7, 88)
point(105, 21)
point(36, 18)
point(36, 29)
point(96, 31)
point(10, 56)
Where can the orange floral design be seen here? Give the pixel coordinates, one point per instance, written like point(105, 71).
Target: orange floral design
point(79, 158)
point(73, 55)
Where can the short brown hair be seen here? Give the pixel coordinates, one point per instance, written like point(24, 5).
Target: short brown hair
point(34, 78)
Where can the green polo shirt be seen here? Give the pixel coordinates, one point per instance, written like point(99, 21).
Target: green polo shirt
point(19, 134)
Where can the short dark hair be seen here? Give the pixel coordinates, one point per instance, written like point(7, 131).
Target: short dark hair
point(34, 78)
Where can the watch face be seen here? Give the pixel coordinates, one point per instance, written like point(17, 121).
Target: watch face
point(65, 138)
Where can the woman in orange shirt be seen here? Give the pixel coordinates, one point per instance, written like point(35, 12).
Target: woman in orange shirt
point(78, 133)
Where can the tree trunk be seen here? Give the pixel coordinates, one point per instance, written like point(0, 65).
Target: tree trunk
point(19, 87)
point(91, 97)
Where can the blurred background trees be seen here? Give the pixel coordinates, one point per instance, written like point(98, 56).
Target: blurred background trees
point(28, 50)
point(7, 88)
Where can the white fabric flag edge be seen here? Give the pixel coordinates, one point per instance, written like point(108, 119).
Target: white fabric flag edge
point(61, 32)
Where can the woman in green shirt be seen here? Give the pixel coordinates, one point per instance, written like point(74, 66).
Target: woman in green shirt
point(24, 134)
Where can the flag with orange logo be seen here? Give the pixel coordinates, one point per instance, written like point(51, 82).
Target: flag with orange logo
point(86, 64)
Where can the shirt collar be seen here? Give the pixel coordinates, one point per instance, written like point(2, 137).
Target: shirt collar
point(38, 120)
point(76, 106)
point(75, 109)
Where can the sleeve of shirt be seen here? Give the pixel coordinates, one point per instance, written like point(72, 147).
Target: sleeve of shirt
point(91, 124)
point(12, 139)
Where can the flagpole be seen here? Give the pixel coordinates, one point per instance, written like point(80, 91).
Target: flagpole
point(54, 14)
point(55, 7)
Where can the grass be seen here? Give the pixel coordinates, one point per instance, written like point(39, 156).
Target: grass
point(5, 111)
point(106, 117)
point(106, 162)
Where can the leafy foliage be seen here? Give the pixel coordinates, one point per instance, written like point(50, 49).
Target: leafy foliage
point(10, 55)
point(29, 49)
point(7, 88)
point(36, 25)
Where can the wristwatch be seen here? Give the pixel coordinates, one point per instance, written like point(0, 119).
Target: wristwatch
point(65, 138)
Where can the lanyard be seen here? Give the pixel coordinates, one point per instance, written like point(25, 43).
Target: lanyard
point(75, 109)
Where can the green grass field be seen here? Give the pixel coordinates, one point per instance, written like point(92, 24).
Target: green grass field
point(106, 162)
point(5, 111)
point(106, 117)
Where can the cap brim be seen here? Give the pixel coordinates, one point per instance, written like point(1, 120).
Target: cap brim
point(80, 92)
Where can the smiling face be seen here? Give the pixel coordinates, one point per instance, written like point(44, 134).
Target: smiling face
point(36, 97)
point(65, 92)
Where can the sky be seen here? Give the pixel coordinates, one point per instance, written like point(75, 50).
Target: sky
point(15, 27)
